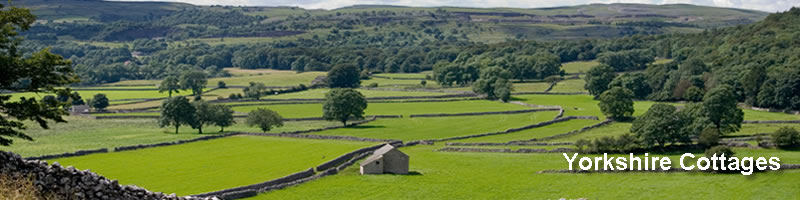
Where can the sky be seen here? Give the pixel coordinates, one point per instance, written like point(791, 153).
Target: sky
point(763, 5)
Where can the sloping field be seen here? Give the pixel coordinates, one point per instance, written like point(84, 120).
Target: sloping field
point(315, 110)
point(212, 165)
point(445, 175)
point(408, 129)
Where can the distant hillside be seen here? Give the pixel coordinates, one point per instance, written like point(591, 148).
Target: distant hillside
point(107, 21)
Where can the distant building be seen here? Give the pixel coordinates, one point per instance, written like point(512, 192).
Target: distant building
point(79, 109)
point(387, 159)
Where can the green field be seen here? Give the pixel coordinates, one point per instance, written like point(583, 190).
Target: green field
point(212, 165)
point(571, 85)
point(408, 129)
point(315, 110)
point(445, 175)
point(578, 66)
point(320, 94)
point(531, 87)
point(539, 132)
point(82, 134)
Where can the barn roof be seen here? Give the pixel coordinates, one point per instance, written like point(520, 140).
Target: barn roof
point(377, 154)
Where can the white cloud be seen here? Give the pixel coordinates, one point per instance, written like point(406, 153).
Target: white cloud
point(764, 5)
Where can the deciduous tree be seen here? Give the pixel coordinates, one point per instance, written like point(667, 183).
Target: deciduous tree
point(264, 119)
point(343, 105)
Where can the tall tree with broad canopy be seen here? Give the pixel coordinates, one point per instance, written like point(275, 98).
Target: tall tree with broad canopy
point(342, 104)
point(223, 116)
point(264, 119)
point(39, 72)
point(194, 80)
point(205, 114)
point(598, 78)
point(721, 110)
point(177, 111)
point(493, 83)
point(169, 84)
point(617, 103)
point(660, 125)
point(344, 76)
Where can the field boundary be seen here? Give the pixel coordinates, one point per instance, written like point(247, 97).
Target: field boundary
point(511, 130)
point(293, 134)
point(481, 113)
point(328, 168)
point(507, 144)
point(574, 132)
point(396, 78)
point(505, 150)
point(771, 122)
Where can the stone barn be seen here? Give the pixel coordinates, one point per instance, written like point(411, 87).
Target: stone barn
point(387, 159)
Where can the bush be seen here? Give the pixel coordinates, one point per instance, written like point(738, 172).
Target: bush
point(786, 137)
point(709, 137)
point(423, 83)
point(719, 150)
point(372, 85)
point(609, 144)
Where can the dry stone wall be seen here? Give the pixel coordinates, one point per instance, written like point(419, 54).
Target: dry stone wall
point(510, 130)
point(521, 150)
point(482, 113)
point(70, 183)
point(771, 122)
point(603, 123)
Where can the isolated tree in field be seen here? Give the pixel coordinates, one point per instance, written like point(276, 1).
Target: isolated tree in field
point(169, 85)
point(344, 104)
point(598, 78)
point(223, 116)
point(617, 103)
point(721, 110)
point(177, 111)
point(43, 72)
point(344, 76)
point(659, 125)
point(194, 80)
point(76, 99)
point(493, 83)
point(99, 102)
point(221, 84)
point(264, 119)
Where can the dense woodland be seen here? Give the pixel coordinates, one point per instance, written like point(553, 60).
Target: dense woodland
point(759, 60)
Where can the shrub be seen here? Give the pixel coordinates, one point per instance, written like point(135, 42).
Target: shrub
point(709, 137)
point(372, 85)
point(609, 144)
point(423, 83)
point(786, 137)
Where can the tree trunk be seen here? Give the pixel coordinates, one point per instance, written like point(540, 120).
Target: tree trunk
point(344, 122)
point(200, 129)
point(176, 129)
point(221, 129)
point(170, 93)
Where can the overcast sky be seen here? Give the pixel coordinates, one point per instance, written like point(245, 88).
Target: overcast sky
point(764, 5)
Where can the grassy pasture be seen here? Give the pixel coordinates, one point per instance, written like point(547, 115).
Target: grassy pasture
point(531, 87)
point(571, 85)
point(212, 165)
point(549, 130)
point(575, 105)
point(83, 133)
point(447, 175)
point(320, 94)
point(315, 110)
point(578, 66)
point(408, 129)
point(112, 95)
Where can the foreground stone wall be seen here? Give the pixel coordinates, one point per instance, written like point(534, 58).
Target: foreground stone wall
point(70, 183)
